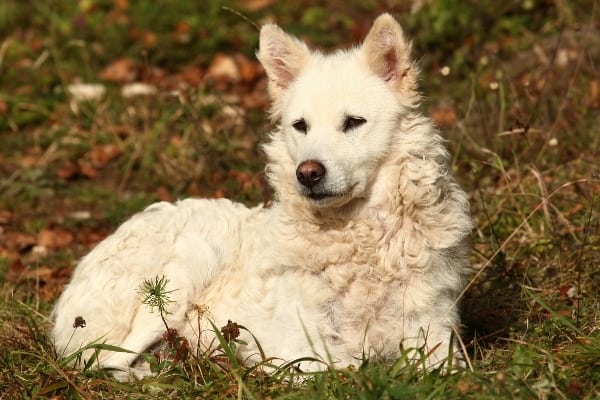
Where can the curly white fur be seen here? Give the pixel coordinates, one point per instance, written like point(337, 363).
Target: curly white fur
point(368, 261)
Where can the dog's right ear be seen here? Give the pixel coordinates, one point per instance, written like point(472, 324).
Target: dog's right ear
point(282, 56)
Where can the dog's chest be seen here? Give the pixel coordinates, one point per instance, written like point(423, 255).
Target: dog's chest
point(337, 273)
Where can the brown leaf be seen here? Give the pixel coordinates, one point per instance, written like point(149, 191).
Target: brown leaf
point(149, 39)
point(3, 108)
point(122, 70)
point(444, 116)
point(90, 237)
point(15, 271)
point(19, 241)
point(67, 170)
point(103, 154)
point(163, 194)
point(8, 254)
point(86, 169)
point(245, 179)
point(576, 388)
point(5, 216)
point(194, 190)
point(192, 75)
point(122, 4)
point(55, 238)
point(249, 70)
point(183, 27)
point(29, 160)
point(183, 32)
point(257, 5)
point(592, 99)
point(223, 69)
point(255, 99)
point(42, 274)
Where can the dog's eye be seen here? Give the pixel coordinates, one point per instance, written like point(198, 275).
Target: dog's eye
point(352, 122)
point(300, 125)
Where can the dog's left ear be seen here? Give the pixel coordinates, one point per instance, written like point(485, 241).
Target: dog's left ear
point(388, 54)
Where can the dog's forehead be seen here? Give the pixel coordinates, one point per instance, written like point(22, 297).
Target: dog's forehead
point(334, 84)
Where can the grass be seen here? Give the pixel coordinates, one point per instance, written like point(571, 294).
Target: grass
point(514, 88)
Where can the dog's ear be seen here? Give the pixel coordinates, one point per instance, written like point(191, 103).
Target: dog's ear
point(282, 56)
point(388, 53)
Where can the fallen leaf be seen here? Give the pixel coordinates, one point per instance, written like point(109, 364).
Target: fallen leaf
point(3, 108)
point(42, 274)
point(5, 216)
point(31, 158)
point(444, 116)
point(149, 39)
point(163, 194)
point(18, 241)
point(122, 4)
point(249, 70)
point(194, 190)
point(245, 179)
point(192, 75)
point(576, 388)
point(122, 70)
point(90, 237)
point(256, 99)
point(103, 154)
point(567, 291)
point(67, 170)
point(87, 170)
point(55, 238)
point(16, 270)
point(183, 32)
point(223, 68)
point(8, 254)
point(592, 99)
point(257, 5)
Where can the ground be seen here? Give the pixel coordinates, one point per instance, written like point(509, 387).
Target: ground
point(177, 109)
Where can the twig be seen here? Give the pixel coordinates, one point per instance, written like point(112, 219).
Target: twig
point(242, 16)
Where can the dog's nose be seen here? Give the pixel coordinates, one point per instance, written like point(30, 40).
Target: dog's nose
point(310, 172)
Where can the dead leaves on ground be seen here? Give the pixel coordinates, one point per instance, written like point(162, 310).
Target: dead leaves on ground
point(23, 255)
point(89, 165)
point(224, 72)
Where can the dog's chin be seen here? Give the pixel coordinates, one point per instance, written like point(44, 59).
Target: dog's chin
point(329, 199)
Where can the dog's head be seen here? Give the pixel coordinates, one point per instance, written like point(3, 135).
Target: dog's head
point(337, 113)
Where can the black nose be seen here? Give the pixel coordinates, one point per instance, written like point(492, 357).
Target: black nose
point(310, 172)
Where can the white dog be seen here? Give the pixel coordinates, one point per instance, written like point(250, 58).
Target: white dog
point(363, 253)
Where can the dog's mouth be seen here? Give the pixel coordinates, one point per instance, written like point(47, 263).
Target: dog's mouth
point(327, 199)
point(320, 196)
